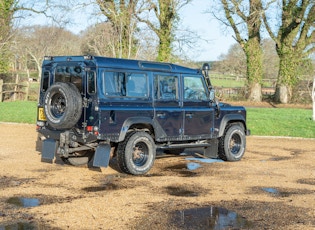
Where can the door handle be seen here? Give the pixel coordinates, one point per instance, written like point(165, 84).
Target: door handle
point(161, 115)
point(189, 115)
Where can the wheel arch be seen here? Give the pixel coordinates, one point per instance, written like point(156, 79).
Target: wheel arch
point(229, 119)
point(140, 123)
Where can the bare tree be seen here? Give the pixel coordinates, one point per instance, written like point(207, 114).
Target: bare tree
point(99, 40)
point(164, 24)
point(234, 62)
point(35, 42)
point(7, 9)
point(121, 15)
point(11, 11)
point(245, 20)
point(295, 40)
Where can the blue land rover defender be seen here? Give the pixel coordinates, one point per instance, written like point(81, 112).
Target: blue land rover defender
point(93, 108)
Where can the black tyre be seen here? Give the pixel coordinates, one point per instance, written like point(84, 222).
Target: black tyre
point(232, 144)
point(136, 154)
point(62, 105)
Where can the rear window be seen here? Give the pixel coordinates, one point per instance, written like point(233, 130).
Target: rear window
point(122, 84)
point(45, 81)
point(71, 74)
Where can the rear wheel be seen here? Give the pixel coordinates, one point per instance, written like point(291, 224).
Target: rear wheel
point(136, 154)
point(232, 144)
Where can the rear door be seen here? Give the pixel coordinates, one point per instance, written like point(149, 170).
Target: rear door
point(198, 114)
point(168, 112)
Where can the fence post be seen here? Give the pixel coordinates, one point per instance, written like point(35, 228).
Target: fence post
point(313, 98)
point(16, 87)
point(1, 90)
point(27, 91)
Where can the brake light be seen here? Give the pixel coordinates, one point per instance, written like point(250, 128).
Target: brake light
point(92, 129)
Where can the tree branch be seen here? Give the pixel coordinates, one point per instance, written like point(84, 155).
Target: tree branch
point(232, 22)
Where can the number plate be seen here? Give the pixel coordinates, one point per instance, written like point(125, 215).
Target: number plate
point(41, 114)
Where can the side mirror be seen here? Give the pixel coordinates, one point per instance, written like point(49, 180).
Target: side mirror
point(212, 95)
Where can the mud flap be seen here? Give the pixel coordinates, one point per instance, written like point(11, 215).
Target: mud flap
point(48, 151)
point(212, 150)
point(102, 155)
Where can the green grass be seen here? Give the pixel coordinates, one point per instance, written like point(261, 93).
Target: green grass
point(261, 121)
point(227, 83)
point(281, 122)
point(18, 111)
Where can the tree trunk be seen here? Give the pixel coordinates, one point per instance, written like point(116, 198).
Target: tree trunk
point(254, 69)
point(1, 89)
point(255, 92)
point(165, 49)
point(282, 94)
point(313, 99)
point(164, 52)
point(287, 74)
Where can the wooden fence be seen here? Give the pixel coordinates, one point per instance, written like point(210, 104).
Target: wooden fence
point(237, 91)
point(14, 91)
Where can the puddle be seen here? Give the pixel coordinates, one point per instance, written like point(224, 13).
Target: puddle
point(271, 190)
point(182, 169)
point(24, 202)
point(204, 160)
point(193, 166)
point(210, 218)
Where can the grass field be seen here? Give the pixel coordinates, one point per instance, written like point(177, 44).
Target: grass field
point(261, 121)
point(18, 111)
point(281, 122)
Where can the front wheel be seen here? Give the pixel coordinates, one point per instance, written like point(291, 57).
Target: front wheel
point(136, 154)
point(232, 144)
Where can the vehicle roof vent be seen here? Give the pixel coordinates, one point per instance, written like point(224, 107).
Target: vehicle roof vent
point(156, 66)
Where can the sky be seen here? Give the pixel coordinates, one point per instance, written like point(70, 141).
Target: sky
point(215, 39)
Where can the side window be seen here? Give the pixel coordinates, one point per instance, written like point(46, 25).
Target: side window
point(166, 87)
point(194, 89)
point(114, 84)
point(125, 84)
point(45, 81)
point(91, 88)
point(136, 85)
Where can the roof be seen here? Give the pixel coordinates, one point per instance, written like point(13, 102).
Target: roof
point(124, 63)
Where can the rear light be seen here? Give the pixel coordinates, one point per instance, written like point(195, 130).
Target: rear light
point(95, 129)
point(92, 129)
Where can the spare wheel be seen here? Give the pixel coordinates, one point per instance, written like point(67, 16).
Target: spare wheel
point(62, 105)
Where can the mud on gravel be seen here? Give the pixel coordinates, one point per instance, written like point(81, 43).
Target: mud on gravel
point(272, 187)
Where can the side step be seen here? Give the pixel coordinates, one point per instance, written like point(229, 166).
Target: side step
point(210, 148)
